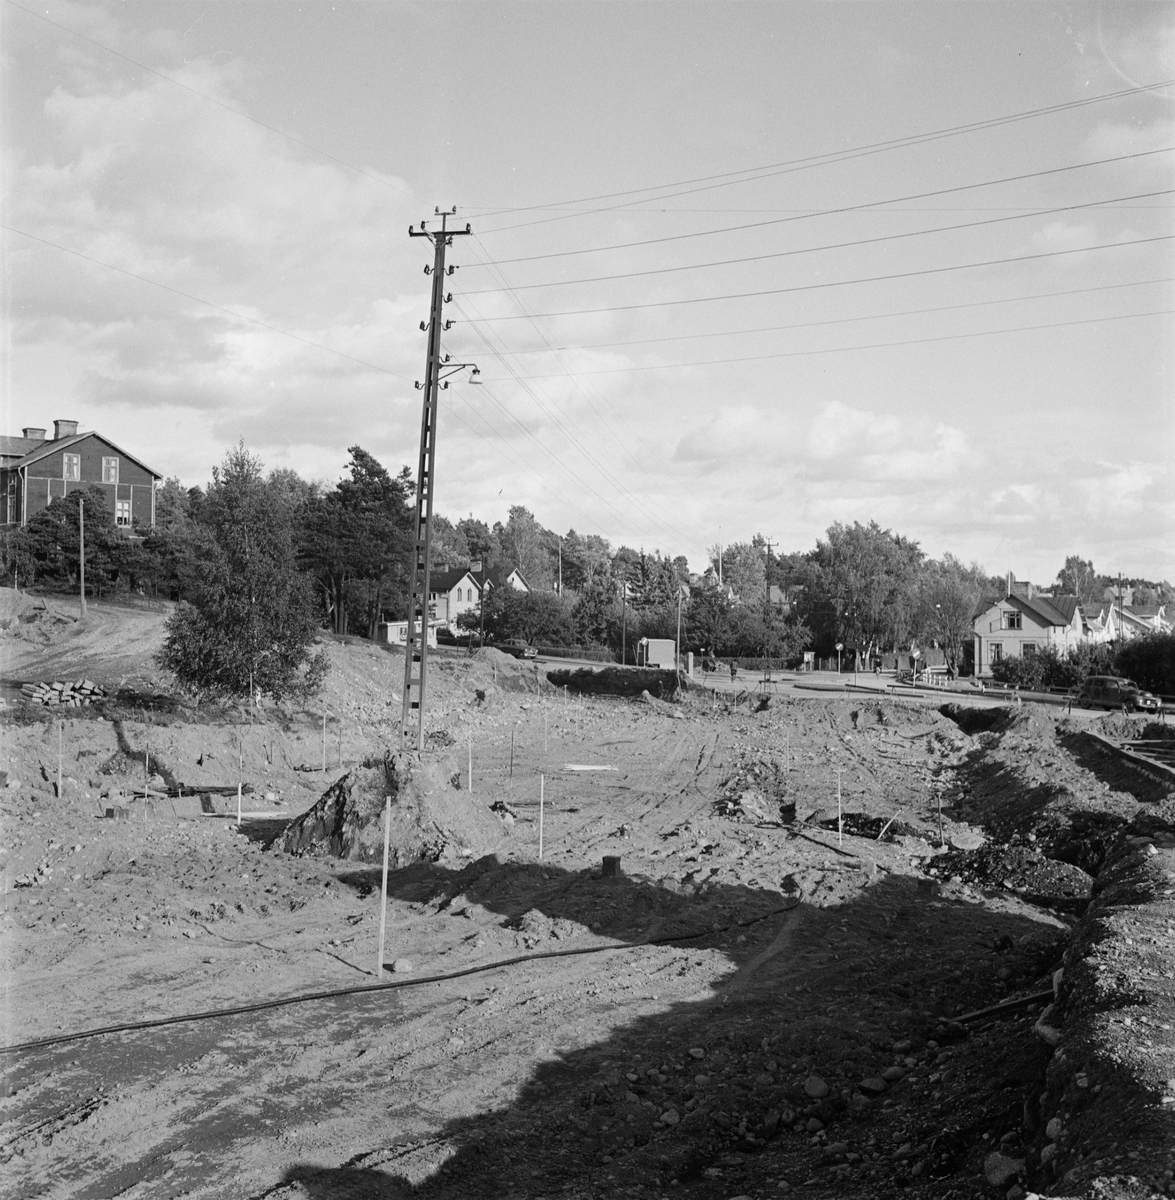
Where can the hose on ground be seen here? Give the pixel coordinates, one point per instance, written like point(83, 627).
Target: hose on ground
point(391, 985)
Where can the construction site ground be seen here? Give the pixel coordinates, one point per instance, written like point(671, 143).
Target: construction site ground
point(761, 1002)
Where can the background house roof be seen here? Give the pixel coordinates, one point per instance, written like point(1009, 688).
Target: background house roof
point(44, 449)
point(444, 581)
point(17, 447)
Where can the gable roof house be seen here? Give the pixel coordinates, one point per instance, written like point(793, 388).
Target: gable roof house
point(498, 577)
point(1133, 620)
point(1023, 623)
point(35, 470)
point(451, 593)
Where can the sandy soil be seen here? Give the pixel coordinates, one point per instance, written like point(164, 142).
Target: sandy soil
point(765, 1006)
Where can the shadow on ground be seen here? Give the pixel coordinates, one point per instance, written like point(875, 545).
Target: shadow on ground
point(814, 990)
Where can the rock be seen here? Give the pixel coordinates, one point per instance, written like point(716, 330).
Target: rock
point(697, 1052)
point(1054, 1129)
point(1015, 1192)
point(815, 1087)
point(722, 1120)
point(873, 1086)
point(903, 1047)
point(967, 839)
point(402, 966)
point(814, 1125)
point(834, 1148)
point(1001, 1170)
point(904, 1151)
point(893, 1074)
point(1048, 1154)
point(670, 1117)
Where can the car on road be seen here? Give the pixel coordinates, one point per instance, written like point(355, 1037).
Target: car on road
point(518, 650)
point(1115, 691)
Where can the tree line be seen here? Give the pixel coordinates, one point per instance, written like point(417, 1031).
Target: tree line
point(265, 560)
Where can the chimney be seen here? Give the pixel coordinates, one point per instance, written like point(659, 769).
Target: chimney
point(64, 429)
point(34, 435)
point(1011, 584)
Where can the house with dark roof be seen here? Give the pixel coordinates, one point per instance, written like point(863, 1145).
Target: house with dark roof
point(35, 470)
point(451, 593)
point(1023, 623)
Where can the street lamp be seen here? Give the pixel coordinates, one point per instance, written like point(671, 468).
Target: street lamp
point(839, 647)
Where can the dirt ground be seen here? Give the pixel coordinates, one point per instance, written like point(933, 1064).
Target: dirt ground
point(759, 1003)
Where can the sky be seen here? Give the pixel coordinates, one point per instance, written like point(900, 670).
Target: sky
point(734, 269)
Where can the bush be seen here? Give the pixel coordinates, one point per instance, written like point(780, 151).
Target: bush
point(1150, 662)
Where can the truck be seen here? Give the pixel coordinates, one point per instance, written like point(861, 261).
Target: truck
point(657, 652)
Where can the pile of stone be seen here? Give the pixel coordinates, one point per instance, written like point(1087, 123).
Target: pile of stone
point(73, 693)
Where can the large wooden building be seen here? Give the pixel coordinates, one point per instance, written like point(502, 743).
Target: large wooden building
point(35, 469)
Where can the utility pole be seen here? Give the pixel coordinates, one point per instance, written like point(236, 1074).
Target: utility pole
point(82, 552)
point(623, 621)
point(560, 566)
point(767, 572)
point(416, 642)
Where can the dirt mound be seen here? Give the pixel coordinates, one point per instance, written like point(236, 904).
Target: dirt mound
point(618, 681)
point(431, 818)
point(31, 618)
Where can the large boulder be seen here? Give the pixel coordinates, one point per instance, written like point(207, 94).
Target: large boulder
point(432, 818)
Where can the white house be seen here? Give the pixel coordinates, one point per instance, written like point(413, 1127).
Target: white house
point(395, 633)
point(451, 593)
point(1023, 624)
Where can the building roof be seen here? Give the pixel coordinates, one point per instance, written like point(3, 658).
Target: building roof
point(500, 577)
point(44, 449)
point(1045, 609)
point(18, 447)
point(445, 581)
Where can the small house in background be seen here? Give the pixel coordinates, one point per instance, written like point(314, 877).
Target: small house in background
point(451, 593)
point(35, 470)
point(395, 633)
point(657, 652)
point(498, 577)
point(1024, 623)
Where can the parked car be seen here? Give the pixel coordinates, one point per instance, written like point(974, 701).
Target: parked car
point(1113, 691)
point(518, 649)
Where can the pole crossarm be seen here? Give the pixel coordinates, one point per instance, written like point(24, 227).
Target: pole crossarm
point(416, 639)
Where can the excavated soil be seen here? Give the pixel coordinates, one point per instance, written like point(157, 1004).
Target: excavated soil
point(773, 995)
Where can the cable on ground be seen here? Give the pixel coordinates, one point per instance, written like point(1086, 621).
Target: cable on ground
point(360, 989)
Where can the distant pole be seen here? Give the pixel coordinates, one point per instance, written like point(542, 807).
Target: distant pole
point(679, 625)
point(560, 566)
point(82, 552)
point(623, 622)
point(383, 908)
point(542, 801)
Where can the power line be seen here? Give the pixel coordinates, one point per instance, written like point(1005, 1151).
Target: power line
point(848, 208)
point(871, 241)
point(807, 287)
point(907, 312)
point(949, 337)
point(211, 99)
point(200, 300)
point(579, 387)
point(574, 437)
point(754, 174)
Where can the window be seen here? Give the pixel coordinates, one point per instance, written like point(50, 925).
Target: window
point(109, 470)
point(1028, 649)
point(996, 653)
point(1013, 620)
point(458, 594)
point(122, 512)
point(71, 466)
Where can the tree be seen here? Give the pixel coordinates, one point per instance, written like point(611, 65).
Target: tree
point(950, 596)
point(357, 541)
point(744, 571)
point(528, 546)
point(1078, 578)
point(515, 616)
point(250, 623)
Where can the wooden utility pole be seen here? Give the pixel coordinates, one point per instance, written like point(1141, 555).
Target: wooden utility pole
point(416, 644)
point(82, 552)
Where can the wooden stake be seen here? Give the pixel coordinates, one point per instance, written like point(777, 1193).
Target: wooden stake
point(941, 842)
point(324, 743)
point(542, 798)
point(787, 752)
point(544, 733)
point(147, 764)
point(383, 894)
point(840, 829)
point(238, 804)
point(60, 733)
point(471, 763)
point(340, 724)
point(511, 753)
